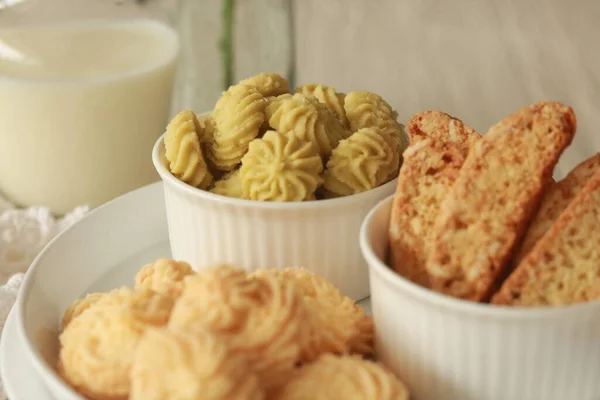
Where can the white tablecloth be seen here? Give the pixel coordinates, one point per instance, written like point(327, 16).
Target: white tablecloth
point(23, 233)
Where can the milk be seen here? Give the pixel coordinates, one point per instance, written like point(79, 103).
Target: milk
point(81, 106)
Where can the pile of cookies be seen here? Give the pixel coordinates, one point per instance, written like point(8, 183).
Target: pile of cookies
point(480, 217)
point(263, 143)
point(222, 334)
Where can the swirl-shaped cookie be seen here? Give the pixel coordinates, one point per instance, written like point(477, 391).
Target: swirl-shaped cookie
point(329, 97)
point(337, 324)
point(309, 120)
point(190, 366)
point(163, 276)
point(144, 305)
point(79, 306)
point(222, 288)
point(229, 185)
point(280, 167)
point(368, 110)
point(268, 84)
point(97, 347)
point(207, 124)
point(183, 151)
point(261, 318)
point(362, 162)
point(346, 377)
point(238, 116)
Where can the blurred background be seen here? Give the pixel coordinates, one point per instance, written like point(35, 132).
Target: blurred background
point(477, 60)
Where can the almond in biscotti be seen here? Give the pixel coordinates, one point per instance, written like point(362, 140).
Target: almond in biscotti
point(497, 191)
point(441, 127)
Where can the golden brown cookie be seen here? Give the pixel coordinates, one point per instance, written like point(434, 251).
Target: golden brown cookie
point(262, 319)
point(190, 366)
point(564, 267)
point(337, 324)
point(495, 194)
point(79, 306)
point(97, 347)
point(347, 377)
point(164, 276)
point(145, 305)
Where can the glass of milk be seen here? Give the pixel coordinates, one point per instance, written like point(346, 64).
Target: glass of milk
point(81, 104)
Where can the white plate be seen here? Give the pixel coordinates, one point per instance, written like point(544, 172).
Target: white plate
point(21, 381)
point(99, 253)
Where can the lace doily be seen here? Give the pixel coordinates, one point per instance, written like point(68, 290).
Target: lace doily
point(23, 234)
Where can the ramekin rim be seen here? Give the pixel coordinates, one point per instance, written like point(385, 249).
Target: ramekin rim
point(458, 306)
point(169, 179)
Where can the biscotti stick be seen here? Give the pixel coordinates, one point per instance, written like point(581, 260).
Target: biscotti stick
point(429, 170)
point(439, 145)
point(494, 196)
point(555, 201)
point(564, 267)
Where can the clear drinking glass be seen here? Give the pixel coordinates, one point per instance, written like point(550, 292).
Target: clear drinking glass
point(85, 91)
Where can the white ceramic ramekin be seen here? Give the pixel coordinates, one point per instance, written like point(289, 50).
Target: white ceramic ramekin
point(449, 349)
point(321, 236)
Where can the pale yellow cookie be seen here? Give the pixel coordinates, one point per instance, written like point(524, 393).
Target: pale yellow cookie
point(238, 116)
point(364, 161)
point(163, 276)
point(262, 319)
point(79, 306)
point(369, 110)
point(330, 98)
point(268, 84)
point(337, 324)
point(273, 104)
point(195, 365)
point(307, 119)
point(207, 124)
point(346, 377)
point(229, 185)
point(183, 151)
point(280, 167)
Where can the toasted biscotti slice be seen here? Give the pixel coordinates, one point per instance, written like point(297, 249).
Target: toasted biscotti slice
point(441, 127)
point(564, 267)
point(439, 145)
point(555, 201)
point(496, 192)
point(429, 170)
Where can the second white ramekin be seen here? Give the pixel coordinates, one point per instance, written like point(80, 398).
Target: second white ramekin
point(321, 236)
point(449, 349)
